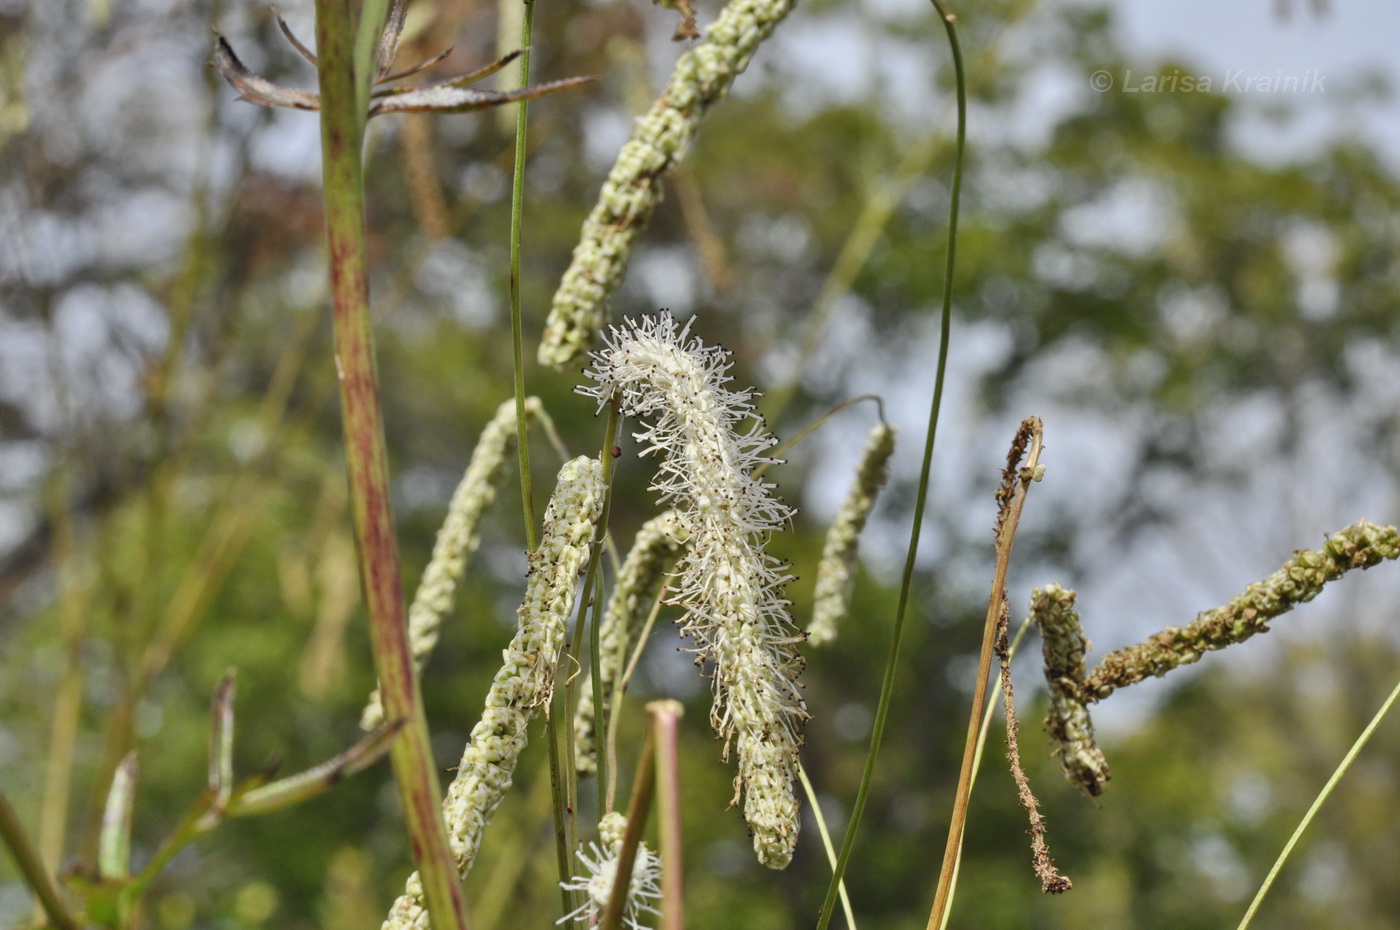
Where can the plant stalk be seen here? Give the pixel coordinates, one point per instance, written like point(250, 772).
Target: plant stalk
point(32, 867)
point(1008, 521)
point(517, 210)
point(342, 124)
point(665, 718)
point(921, 498)
point(638, 807)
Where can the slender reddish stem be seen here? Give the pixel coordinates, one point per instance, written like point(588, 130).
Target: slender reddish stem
point(380, 576)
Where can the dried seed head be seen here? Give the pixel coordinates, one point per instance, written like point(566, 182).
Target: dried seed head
point(1068, 723)
point(1301, 579)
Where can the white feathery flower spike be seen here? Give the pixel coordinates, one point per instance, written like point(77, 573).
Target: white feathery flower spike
point(457, 540)
point(836, 572)
point(710, 440)
point(526, 679)
point(597, 884)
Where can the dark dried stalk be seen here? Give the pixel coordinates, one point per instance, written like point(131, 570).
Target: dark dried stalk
point(1011, 498)
point(1051, 881)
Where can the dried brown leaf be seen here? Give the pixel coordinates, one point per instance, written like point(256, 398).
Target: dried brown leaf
point(452, 99)
point(257, 89)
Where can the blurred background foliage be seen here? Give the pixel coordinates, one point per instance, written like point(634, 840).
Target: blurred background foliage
point(1211, 340)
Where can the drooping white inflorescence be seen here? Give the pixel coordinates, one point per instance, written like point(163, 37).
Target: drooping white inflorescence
point(836, 573)
point(601, 866)
point(638, 584)
point(660, 140)
point(526, 679)
point(457, 540)
point(710, 440)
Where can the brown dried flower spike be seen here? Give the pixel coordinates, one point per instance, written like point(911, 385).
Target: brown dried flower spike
point(447, 96)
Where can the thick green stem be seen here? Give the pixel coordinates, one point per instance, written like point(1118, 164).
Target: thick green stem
point(381, 579)
point(32, 868)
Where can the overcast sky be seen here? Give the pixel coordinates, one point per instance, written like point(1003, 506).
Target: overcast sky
point(1352, 39)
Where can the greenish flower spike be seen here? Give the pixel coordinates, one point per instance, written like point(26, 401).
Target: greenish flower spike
point(1301, 579)
point(457, 540)
point(836, 573)
point(658, 543)
point(659, 141)
point(1071, 731)
point(709, 441)
point(526, 679)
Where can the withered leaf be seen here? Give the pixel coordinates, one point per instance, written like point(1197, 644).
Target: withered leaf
point(257, 89)
point(451, 99)
point(468, 78)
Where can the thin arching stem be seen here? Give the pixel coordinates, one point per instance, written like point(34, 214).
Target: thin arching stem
point(921, 500)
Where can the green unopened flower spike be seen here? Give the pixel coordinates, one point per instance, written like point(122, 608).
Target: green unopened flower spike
point(457, 540)
point(526, 679)
point(660, 139)
point(710, 440)
point(656, 546)
point(1071, 731)
point(836, 573)
point(601, 866)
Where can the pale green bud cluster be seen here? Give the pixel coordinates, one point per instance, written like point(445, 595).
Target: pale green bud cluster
point(526, 679)
point(660, 139)
point(611, 829)
point(457, 540)
point(409, 910)
point(836, 572)
point(638, 583)
point(730, 587)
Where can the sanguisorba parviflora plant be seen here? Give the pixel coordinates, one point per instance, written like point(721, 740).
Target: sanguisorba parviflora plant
point(633, 598)
point(709, 446)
